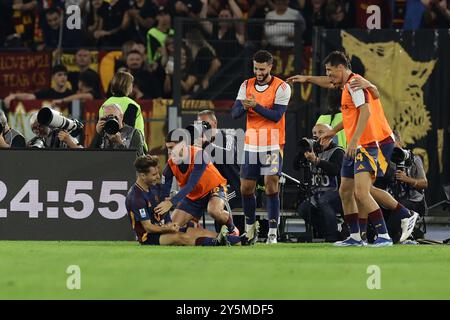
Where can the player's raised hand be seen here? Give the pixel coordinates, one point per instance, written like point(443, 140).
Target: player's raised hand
point(358, 83)
point(297, 78)
point(163, 207)
point(326, 137)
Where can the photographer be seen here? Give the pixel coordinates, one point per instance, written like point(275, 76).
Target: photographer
point(46, 137)
point(407, 182)
point(9, 138)
point(324, 163)
point(223, 150)
point(112, 133)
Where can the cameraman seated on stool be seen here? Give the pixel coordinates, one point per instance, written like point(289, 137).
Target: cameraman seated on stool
point(112, 133)
point(407, 182)
point(325, 164)
point(47, 137)
point(9, 138)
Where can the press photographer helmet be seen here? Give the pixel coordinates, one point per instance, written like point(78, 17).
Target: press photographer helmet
point(402, 158)
point(54, 119)
point(111, 124)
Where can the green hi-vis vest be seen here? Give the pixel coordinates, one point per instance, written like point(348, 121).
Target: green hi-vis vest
point(123, 102)
point(326, 118)
point(160, 36)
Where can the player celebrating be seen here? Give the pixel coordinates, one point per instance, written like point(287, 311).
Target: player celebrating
point(377, 128)
point(152, 229)
point(202, 186)
point(263, 99)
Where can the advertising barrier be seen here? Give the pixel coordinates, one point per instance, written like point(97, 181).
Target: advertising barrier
point(65, 195)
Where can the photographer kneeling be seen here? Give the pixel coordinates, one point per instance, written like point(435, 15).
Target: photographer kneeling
point(112, 133)
point(325, 163)
point(51, 136)
point(407, 182)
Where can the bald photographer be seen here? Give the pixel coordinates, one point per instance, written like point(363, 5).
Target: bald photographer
point(113, 133)
point(321, 164)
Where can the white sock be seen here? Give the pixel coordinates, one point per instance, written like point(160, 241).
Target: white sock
point(355, 236)
point(384, 235)
point(273, 231)
point(248, 226)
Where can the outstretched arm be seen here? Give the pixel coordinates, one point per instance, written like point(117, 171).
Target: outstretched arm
point(321, 81)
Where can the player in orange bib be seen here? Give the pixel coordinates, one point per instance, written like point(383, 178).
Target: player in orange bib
point(202, 188)
point(375, 145)
point(263, 99)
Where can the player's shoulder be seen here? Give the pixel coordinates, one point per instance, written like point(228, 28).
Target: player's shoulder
point(282, 86)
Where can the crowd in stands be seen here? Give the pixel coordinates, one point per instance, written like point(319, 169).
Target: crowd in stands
point(144, 30)
point(110, 23)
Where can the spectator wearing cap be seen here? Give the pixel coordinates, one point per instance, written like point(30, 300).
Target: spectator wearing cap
point(59, 91)
point(156, 36)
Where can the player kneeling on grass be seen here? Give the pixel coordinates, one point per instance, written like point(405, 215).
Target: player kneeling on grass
point(153, 229)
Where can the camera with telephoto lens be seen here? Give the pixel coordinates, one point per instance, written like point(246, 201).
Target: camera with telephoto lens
point(402, 158)
point(37, 143)
point(111, 124)
point(55, 120)
point(308, 145)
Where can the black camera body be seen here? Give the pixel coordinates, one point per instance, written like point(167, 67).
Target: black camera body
point(112, 125)
point(307, 145)
point(402, 158)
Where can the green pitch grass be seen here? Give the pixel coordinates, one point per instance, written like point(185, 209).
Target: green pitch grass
point(125, 270)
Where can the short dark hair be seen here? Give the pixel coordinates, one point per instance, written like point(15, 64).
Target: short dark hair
point(90, 79)
point(262, 56)
point(144, 163)
point(336, 58)
point(59, 68)
point(177, 135)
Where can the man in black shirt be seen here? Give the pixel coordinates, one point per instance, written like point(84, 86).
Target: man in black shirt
point(143, 16)
point(59, 76)
point(9, 138)
point(325, 202)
